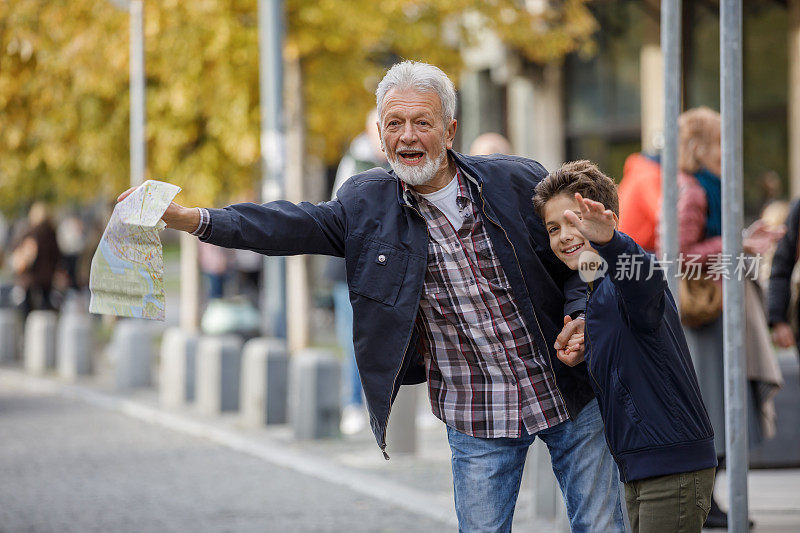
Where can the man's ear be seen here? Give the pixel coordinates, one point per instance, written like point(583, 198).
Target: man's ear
point(450, 134)
point(616, 220)
point(378, 125)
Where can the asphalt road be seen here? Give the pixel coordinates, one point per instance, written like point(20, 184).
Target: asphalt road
point(66, 466)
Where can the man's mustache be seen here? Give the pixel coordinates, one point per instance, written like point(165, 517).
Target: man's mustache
point(409, 149)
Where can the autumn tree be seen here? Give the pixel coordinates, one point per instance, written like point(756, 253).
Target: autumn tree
point(64, 82)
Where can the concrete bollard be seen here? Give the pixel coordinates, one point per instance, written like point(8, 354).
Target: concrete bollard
point(265, 372)
point(9, 336)
point(40, 341)
point(177, 368)
point(219, 363)
point(315, 394)
point(132, 353)
point(74, 346)
point(401, 433)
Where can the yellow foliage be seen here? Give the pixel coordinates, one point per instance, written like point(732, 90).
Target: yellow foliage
point(64, 100)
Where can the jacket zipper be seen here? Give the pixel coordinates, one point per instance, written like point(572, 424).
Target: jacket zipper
point(586, 337)
point(589, 368)
point(405, 350)
point(536, 318)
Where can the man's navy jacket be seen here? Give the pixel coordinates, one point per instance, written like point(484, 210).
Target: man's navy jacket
point(384, 240)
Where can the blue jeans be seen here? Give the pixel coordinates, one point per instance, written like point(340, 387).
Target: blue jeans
point(343, 311)
point(487, 475)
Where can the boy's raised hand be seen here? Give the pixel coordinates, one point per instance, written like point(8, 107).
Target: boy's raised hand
point(596, 223)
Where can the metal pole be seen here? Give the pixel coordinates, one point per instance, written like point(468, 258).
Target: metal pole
point(137, 81)
point(273, 154)
point(732, 289)
point(671, 48)
point(794, 97)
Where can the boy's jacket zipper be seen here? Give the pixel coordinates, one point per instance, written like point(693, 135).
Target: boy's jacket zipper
point(588, 366)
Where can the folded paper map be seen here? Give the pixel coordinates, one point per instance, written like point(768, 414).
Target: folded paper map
point(127, 276)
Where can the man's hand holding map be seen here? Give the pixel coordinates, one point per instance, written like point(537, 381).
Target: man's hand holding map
point(127, 269)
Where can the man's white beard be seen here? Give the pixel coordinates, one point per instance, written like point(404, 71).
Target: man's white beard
point(414, 176)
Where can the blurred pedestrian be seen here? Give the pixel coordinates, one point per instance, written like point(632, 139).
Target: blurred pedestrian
point(71, 237)
point(773, 215)
point(783, 296)
point(363, 154)
point(34, 259)
point(247, 267)
point(490, 143)
point(215, 263)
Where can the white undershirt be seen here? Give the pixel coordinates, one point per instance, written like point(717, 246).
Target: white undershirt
point(445, 200)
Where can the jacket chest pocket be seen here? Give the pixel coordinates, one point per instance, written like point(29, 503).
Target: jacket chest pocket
point(379, 272)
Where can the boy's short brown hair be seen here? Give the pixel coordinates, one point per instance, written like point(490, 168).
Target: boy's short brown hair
point(577, 176)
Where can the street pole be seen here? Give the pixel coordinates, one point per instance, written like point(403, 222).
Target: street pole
point(671, 49)
point(732, 289)
point(793, 7)
point(137, 81)
point(273, 155)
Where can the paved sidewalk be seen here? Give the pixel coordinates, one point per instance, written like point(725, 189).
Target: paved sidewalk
point(68, 466)
point(421, 484)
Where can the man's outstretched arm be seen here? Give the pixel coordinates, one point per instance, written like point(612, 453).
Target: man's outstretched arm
point(275, 228)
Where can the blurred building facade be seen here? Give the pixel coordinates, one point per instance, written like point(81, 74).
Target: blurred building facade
point(609, 105)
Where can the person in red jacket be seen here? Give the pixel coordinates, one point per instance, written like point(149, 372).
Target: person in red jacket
point(640, 199)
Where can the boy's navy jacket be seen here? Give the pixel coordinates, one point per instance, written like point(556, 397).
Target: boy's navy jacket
point(641, 370)
point(384, 240)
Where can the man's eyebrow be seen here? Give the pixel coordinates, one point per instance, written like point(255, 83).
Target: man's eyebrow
point(417, 114)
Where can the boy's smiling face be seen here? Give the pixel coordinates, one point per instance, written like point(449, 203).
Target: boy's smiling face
point(565, 239)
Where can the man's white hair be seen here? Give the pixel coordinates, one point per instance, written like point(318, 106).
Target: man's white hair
point(421, 77)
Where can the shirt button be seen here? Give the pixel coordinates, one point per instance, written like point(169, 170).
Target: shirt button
point(513, 382)
point(381, 258)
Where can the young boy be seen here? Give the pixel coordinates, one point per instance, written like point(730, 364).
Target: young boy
point(656, 424)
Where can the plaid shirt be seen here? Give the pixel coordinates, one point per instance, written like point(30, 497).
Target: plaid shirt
point(485, 377)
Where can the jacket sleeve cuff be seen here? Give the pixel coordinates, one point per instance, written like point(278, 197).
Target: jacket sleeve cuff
point(220, 228)
point(617, 246)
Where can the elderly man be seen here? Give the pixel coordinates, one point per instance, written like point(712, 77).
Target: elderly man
point(452, 280)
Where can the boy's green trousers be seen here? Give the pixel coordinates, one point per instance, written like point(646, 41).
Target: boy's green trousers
point(677, 503)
